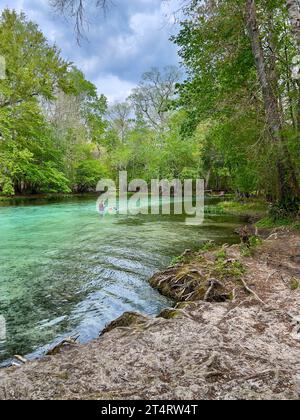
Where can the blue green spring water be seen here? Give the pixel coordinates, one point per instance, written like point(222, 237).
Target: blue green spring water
point(65, 271)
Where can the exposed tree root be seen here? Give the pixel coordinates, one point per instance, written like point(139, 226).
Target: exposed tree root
point(247, 288)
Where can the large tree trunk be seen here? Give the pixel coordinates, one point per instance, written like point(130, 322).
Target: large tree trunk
point(294, 15)
point(287, 178)
point(270, 101)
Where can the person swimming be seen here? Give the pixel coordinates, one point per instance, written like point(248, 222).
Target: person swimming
point(101, 208)
point(104, 209)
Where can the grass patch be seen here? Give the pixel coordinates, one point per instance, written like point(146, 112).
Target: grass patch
point(221, 255)
point(295, 284)
point(233, 270)
point(190, 256)
point(177, 260)
point(251, 208)
point(269, 223)
point(208, 246)
point(247, 250)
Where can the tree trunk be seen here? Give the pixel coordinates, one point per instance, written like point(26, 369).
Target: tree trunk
point(294, 15)
point(287, 178)
point(207, 179)
point(270, 101)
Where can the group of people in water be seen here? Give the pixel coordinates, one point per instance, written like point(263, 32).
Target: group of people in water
point(104, 209)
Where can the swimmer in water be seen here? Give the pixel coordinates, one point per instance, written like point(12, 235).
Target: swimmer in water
point(101, 207)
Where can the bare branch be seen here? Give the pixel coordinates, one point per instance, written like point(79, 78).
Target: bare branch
point(76, 9)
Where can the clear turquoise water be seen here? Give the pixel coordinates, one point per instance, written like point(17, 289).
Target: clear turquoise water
point(64, 270)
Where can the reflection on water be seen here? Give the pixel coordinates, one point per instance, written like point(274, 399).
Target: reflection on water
point(65, 270)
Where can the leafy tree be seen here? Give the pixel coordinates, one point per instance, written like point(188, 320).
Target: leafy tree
point(78, 121)
point(34, 69)
point(152, 98)
point(120, 118)
point(88, 174)
point(238, 59)
point(48, 110)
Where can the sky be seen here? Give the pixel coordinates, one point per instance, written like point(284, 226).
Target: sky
point(117, 47)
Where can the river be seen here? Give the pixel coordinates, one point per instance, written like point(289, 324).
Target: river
point(65, 271)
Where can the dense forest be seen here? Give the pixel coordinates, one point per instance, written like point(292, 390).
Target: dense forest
point(231, 115)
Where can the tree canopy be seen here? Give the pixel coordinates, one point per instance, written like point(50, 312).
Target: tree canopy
point(239, 59)
point(234, 120)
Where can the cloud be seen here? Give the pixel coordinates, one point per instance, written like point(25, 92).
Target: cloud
point(115, 89)
point(119, 47)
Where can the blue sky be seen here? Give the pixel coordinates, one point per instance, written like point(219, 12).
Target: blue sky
point(119, 47)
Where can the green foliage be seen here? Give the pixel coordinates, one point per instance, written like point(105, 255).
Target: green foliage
point(230, 269)
point(247, 250)
point(88, 174)
point(149, 154)
point(221, 255)
point(208, 246)
point(58, 135)
point(255, 241)
point(177, 260)
point(250, 207)
point(295, 284)
point(285, 209)
point(33, 67)
point(50, 115)
point(269, 223)
point(223, 87)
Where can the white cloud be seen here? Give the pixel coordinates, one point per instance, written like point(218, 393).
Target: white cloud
point(133, 37)
point(115, 89)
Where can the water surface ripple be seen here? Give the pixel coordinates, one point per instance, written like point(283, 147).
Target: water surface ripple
point(65, 270)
